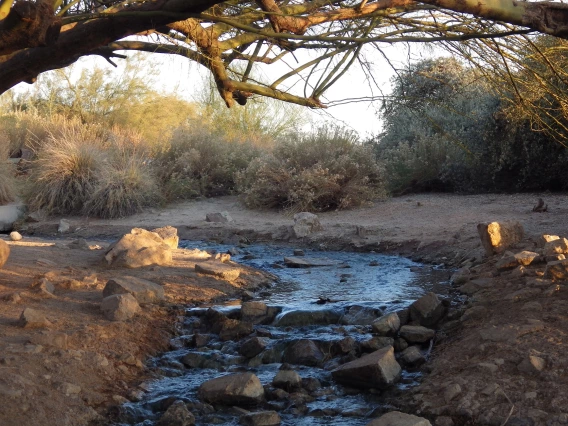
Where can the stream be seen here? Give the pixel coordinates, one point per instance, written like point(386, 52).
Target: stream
point(357, 288)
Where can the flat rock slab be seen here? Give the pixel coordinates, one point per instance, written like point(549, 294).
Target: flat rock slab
point(143, 290)
point(416, 333)
point(219, 270)
point(396, 418)
point(309, 262)
point(376, 370)
point(233, 389)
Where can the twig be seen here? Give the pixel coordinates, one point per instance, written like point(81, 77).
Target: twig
point(511, 410)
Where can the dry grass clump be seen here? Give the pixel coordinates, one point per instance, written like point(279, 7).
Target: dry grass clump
point(66, 172)
point(123, 189)
point(322, 171)
point(83, 171)
point(197, 162)
point(7, 182)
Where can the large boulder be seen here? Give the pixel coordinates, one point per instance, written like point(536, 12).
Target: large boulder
point(387, 325)
point(119, 307)
point(376, 370)
point(169, 234)
point(303, 352)
point(396, 418)
point(143, 290)
point(416, 333)
point(219, 270)
point(4, 252)
point(137, 249)
point(233, 389)
point(496, 237)
point(305, 223)
point(253, 346)
point(428, 310)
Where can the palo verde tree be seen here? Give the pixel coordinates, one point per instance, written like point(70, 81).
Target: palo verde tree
point(41, 35)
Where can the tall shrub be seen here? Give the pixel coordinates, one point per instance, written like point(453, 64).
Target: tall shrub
point(321, 171)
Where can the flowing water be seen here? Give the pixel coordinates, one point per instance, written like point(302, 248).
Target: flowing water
point(370, 281)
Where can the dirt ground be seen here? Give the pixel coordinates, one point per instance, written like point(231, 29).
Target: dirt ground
point(72, 371)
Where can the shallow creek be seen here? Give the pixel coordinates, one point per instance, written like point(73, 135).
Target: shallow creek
point(357, 287)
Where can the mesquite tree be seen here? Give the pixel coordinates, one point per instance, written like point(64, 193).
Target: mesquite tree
point(229, 37)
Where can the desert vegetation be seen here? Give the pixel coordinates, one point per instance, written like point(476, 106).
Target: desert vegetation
point(112, 146)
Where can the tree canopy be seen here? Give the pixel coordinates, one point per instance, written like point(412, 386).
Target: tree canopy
point(230, 37)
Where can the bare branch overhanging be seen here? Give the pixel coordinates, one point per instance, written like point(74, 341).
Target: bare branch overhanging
point(220, 35)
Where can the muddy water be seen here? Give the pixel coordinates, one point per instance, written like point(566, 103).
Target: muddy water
point(369, 280)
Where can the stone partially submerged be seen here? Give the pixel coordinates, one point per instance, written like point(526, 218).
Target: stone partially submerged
point(308, 262)
point(376, 370)
point(233, 389)
point(137, 249)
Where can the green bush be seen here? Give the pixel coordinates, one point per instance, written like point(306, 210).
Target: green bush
point(322, 171)
point(197, 162)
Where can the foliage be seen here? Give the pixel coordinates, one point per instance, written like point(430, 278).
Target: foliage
point(316, 172)
point(95, 95)
point(200, 162)
point(262, 121)
point(445, 129)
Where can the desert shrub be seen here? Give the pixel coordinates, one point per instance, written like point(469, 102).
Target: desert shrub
point(445, 129)
point(7, 182)
point(317, 172)
point(198, 162)
point(84, 170)
point(123, 188)
point(66, 172)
